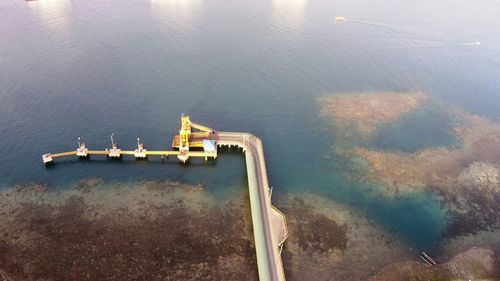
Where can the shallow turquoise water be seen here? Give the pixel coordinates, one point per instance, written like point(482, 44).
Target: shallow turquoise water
point(90, 68)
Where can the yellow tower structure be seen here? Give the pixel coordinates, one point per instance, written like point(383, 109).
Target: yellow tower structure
point(188, 139)
point(184, 135)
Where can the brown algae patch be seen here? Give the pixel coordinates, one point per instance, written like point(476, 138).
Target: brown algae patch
point(141, 231)
point(366, 110)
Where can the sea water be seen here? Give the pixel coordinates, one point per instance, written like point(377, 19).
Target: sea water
point(75, 68)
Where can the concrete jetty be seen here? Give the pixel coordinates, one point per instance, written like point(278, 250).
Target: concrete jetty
point(269, 224)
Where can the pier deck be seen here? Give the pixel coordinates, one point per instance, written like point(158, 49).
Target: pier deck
point(133, 152)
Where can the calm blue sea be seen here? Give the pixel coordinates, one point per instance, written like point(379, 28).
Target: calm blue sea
point(89, 68)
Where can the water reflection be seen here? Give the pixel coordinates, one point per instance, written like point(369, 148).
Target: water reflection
point(289, 13)
point(182, 12)
point(53, 14)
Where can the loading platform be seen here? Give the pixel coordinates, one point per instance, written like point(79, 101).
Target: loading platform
point(118, 153)
point(186, 144)
point(269, 224)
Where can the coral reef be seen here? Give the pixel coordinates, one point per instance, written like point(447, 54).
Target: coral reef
point(115, 231)
point(366, 110)
point(466, 175)
point(162, 230)
point(472, 264)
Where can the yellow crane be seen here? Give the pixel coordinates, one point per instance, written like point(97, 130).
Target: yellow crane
point(184, 134)
point(188, 138)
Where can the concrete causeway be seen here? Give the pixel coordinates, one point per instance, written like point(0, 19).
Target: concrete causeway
point(269, 224)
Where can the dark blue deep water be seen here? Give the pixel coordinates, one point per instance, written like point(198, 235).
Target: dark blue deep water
point(89, 68)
